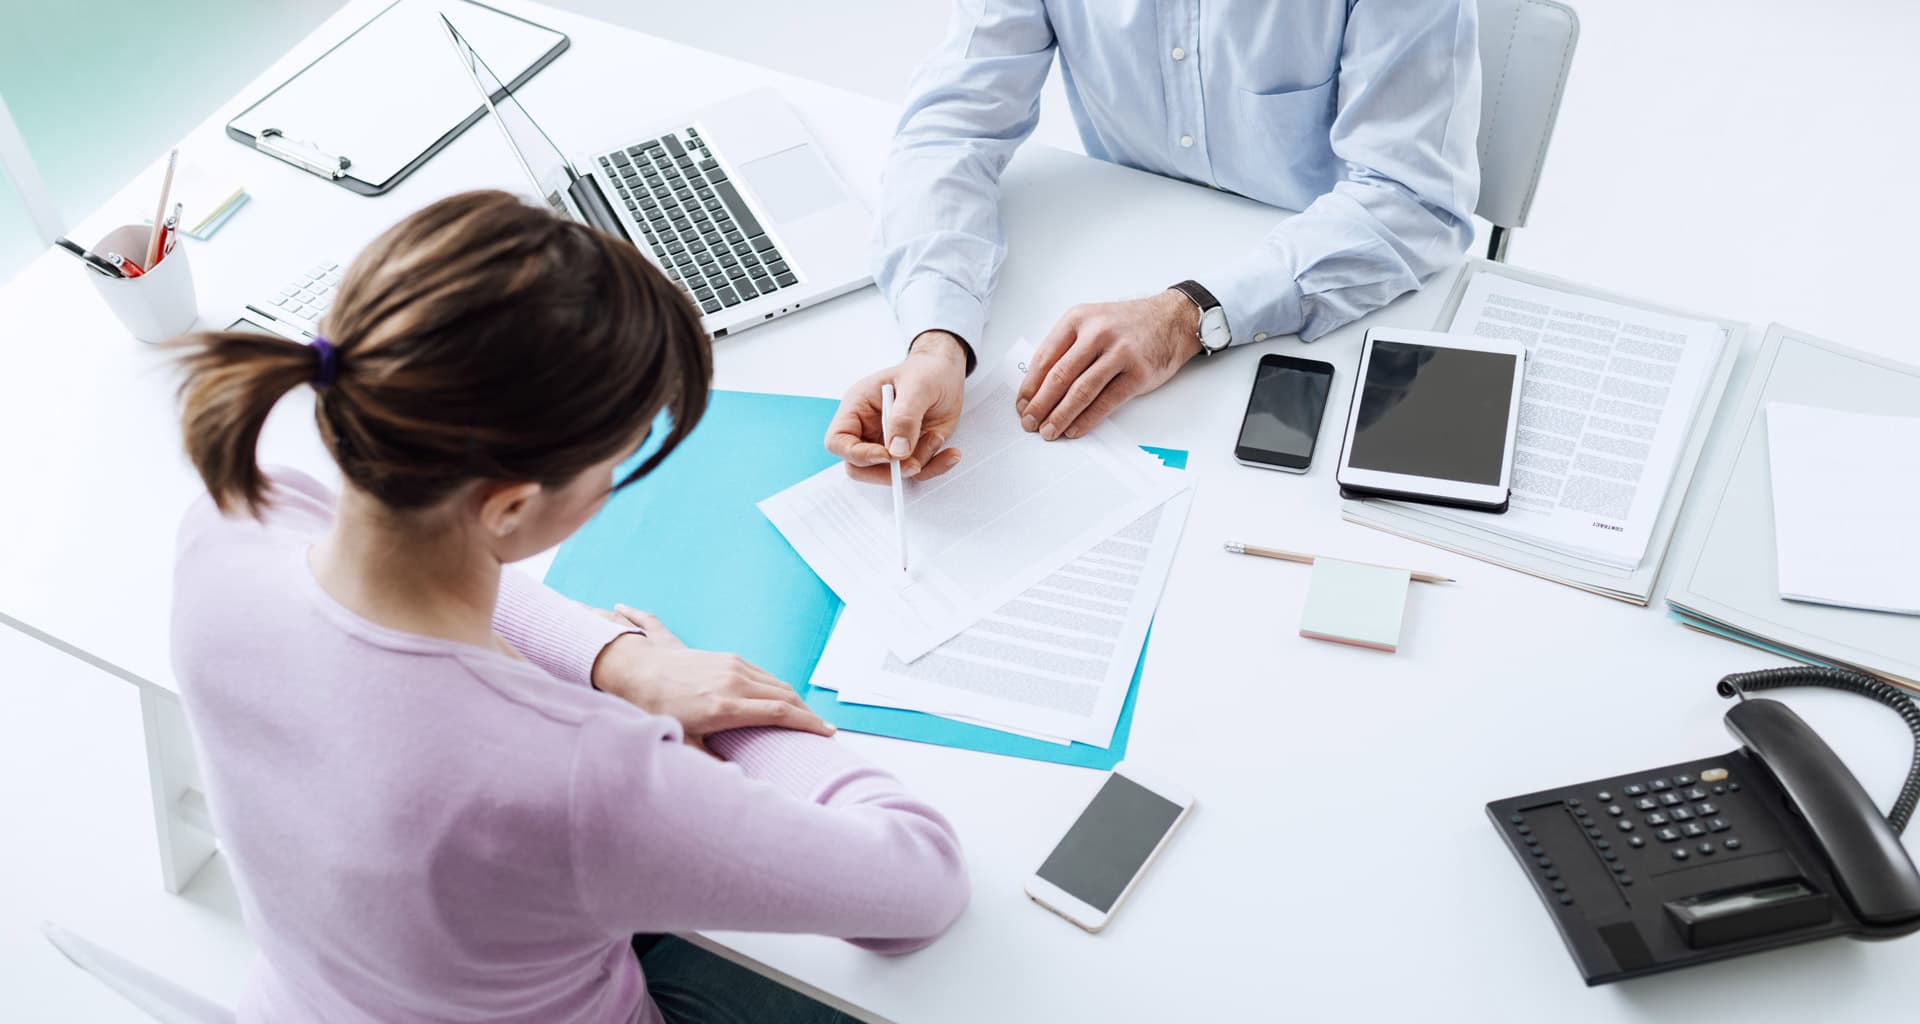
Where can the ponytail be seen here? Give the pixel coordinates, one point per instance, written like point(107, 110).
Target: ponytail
point(233, 381)
point(481, 338)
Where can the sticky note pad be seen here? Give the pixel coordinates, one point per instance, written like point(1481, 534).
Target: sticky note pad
point(1350, 603)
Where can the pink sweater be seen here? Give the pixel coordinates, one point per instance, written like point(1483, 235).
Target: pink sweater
point(425, 830)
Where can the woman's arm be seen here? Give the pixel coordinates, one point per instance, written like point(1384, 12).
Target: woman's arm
point(563, 637)
point(794, 835)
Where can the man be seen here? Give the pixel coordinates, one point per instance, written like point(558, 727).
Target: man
point(1361, 113)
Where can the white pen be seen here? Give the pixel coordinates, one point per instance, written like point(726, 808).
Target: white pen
point(893, 469)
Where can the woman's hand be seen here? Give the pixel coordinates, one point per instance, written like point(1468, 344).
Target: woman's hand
point(707, 691)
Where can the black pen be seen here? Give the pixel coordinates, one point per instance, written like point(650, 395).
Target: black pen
point(99, 265)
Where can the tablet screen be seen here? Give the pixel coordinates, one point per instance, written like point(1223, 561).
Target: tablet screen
point(1434, 412)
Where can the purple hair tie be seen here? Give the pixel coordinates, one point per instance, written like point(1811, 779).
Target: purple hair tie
point(329, 363)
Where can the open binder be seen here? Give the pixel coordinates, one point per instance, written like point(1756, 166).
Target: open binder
point(389, 96)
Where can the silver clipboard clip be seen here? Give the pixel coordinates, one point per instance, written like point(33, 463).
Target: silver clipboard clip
point(304, 155)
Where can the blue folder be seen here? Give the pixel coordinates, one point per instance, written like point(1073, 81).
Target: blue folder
point(688, 544)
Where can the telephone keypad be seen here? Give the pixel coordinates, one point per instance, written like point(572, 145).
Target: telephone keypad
point(1678, 812)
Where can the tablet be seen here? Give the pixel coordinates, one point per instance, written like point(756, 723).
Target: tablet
point(1433, 419)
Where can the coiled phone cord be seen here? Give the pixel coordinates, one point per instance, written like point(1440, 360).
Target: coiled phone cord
point(1741, 683)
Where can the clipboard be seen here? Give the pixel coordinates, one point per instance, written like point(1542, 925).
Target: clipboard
point(385, 99)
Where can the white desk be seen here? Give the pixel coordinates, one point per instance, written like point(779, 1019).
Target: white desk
point(1338, 864)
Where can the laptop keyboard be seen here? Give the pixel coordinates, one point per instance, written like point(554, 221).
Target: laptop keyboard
point(700, 230)
point(302, 302)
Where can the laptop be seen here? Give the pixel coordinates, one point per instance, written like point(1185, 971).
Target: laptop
point(734, 202)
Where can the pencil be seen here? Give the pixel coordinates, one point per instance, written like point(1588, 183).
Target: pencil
point(1238, 548)
point(160, 210)
point(893, 468)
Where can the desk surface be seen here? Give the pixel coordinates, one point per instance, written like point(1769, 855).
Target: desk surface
point(1338, 859)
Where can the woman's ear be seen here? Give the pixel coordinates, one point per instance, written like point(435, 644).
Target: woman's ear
point(504, 507)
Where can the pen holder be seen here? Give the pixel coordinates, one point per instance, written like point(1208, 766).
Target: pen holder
point(158, 304)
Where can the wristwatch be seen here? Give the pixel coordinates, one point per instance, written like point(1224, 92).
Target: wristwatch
point(1214, 334)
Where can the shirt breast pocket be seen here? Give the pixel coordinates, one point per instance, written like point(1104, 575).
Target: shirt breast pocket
point(1286, 130)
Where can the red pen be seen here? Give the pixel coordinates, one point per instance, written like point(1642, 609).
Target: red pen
point(170, 230)
point(124, 265)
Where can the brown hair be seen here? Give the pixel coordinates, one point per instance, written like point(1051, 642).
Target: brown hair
point(480, 338)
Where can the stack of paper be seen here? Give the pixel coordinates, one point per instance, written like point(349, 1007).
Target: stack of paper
point(207, 198)
point(1036, 567)
point(1845, 489)
point(1618, 400)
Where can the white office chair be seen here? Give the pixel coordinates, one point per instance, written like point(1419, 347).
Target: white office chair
point(153, 995)
point(1526, 49)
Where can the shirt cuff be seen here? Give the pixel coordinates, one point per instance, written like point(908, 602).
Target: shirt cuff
point(933, 303)
point(1259, 296)
point(561, 636)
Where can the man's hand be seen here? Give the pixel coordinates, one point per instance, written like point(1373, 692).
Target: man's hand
point(928, 386)
point(708, 692)
point(1096, 357)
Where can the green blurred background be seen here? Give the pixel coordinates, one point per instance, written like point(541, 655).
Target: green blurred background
point(67, 72)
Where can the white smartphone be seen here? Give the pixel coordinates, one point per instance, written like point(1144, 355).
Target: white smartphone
point(1101, 858)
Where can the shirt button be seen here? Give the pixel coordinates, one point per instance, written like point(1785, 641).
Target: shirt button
point(1179, 53)
point(1262, 336)
point(1186, 142)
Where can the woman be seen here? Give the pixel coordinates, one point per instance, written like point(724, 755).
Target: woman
point(448, 792)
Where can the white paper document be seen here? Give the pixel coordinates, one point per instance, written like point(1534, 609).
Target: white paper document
point(1015, 510)
point(1053, 663)
point(1846, 494)
point(1610, 396)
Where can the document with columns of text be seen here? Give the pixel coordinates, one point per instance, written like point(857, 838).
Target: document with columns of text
point(1610, 396)
point(1014, 511)
point(1054, 663)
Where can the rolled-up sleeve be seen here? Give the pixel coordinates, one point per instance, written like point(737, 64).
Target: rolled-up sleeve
point(1405, 130)
point(938, 241)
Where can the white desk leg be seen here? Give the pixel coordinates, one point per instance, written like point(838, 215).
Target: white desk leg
point(179, 803)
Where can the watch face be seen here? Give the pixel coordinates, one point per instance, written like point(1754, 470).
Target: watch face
point(1213, 329)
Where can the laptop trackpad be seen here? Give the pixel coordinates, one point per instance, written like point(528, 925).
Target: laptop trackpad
point(792, 183)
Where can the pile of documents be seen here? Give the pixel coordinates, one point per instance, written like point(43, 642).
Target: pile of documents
point(1035, 569)
point(1618, 402)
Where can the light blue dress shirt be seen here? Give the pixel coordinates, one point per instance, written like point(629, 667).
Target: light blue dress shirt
point(1362, 114)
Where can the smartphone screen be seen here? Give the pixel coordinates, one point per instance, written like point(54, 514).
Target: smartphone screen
point(1112, 840)
point(1284, 412)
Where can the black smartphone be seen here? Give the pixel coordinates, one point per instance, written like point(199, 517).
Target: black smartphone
point(1283, 413)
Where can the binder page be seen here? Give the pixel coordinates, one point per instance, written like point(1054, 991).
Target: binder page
point(1610, 394)
point(393, 88)
point(1054, 662)
point(1845, 486)
point(1015, 510)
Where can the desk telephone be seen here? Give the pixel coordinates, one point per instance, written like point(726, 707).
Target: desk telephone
point(1772, 844)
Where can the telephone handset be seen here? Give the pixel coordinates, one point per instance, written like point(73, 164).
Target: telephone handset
point(1772, 844)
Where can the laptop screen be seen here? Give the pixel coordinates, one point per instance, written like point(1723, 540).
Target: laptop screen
point(545, 165)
